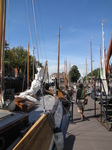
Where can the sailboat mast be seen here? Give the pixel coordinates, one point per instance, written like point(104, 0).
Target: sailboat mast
point(86, 69)
point(58, 56)
point(2, 42)
point(69, 74)
point(91, 65)
point(103, 51)
point(65, 75)
point(33, 64)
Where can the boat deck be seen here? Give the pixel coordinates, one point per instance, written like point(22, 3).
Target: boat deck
point(11, 122)
point(87, 134)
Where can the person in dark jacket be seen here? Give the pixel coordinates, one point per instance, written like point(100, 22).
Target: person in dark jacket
point(80, 96)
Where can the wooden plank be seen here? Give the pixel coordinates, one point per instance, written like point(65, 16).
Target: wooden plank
point(38, 137)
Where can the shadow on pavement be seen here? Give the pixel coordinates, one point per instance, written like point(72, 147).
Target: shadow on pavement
point(90, 109)
point(69, 142)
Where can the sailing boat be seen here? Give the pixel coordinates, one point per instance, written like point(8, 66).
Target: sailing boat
point(29, 129)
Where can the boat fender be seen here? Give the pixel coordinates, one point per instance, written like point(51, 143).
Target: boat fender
point(2, 143)
point(12, 106)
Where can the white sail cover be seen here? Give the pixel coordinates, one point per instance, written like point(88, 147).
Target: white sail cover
point(35, 86)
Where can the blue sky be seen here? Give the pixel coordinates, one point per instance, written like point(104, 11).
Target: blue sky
point(80, 19)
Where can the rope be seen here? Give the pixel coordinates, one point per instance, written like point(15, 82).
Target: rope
point(42, 29)
point(8, 24)
point(29, 24)
point(35, 28)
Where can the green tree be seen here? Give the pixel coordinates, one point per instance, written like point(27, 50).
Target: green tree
point(96, 74)
point(74, 74)
point(17, 58)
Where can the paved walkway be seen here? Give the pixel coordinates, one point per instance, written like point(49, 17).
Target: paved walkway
point(89, 134)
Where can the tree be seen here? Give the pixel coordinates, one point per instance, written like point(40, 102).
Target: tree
point(74, 74)
point(96, 74)
point(17, 58)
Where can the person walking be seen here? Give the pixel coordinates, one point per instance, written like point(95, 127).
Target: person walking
point(80, 99)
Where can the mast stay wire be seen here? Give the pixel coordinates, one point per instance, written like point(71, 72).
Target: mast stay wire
point(33, 48)
point(8, 24)
point(42, 28)
point(29, 24)
point(9, 43)
point(39, 45)
point(35, 29)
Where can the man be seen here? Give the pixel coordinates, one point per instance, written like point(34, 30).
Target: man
point(80, 96)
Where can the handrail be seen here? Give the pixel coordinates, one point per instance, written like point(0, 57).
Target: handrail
point(102, 107)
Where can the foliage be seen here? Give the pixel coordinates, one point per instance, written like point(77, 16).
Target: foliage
point(74, 74)
point(96, 74)
point(17, 58)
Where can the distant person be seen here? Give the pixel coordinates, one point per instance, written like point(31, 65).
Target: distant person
point(80, 97)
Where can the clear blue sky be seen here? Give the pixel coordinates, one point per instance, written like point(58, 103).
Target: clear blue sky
point(80, 19)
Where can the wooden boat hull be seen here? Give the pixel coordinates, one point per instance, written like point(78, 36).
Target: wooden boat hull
point(40, 131)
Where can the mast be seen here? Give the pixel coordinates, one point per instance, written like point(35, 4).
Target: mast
point(86, 69)
point(33, 64)
point(69, 74)
point(58, 56)
point(28, 67)
point(65, 74)
point(45, 67)
point(104, 62)
point(103, 51)
point(2, 43)
point(100, 63)
point(91, 65)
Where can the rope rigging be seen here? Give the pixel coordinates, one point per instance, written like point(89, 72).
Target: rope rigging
point(35, 28)
point(29, 24)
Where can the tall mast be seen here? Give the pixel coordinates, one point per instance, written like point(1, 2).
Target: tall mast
point(45, 67)
point(58, 79)
point(104, 62)
point(91, 64)
point(65, 74)
point(103, 51)
point(69, 74)
point(33, 64)
point(2, 42)
point(28, 67)
point(86, 69)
